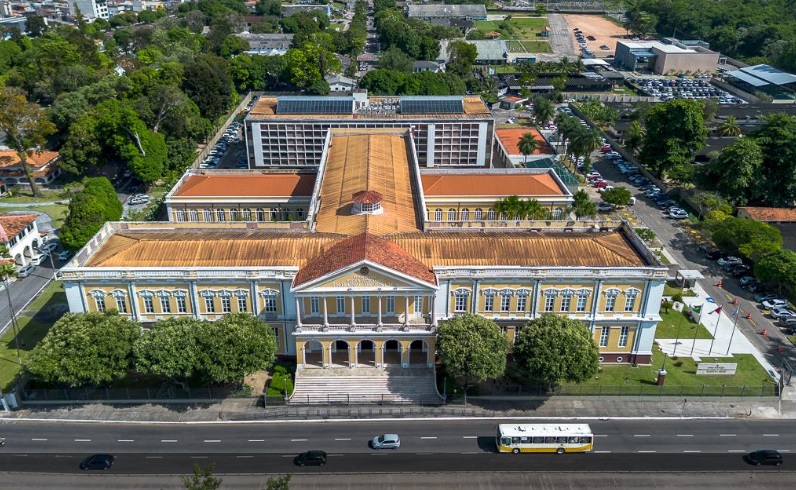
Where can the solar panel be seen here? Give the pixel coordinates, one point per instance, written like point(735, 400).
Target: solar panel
point(431, 105)
point(315, 105)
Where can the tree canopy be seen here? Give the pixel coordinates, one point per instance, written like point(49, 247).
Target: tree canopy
point(675, 132)
point(472, 347)
point(88, 211)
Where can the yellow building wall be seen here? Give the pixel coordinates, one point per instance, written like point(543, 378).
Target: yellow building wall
point(619, 305)
point(614, 334)
point(331, 305)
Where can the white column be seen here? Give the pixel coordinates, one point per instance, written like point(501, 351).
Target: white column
point(434, 310)
point(406, 309)
point(379, 300)
point(325, 312)
point(353, 322)
point(298, 312)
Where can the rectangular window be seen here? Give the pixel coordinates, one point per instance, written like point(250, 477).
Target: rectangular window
point(390, 304)
point(165, 306)
point(522, 301)
point(581, 306)
point(149, 305)
point(242, 306)
point(226, 304)
point(610, 302)
point(365, 304)
point(505, 302)
point(460, 304)
point(604, 336)
point(565, 302)
point(270, 304)
point(340, 304)
point(418, 305)
point(549, 302)
point(623, 336)
point(100, 303)
point(210, 305)
point(181, 306)
point(489, 301)
point(314, 305)
point(630, 300)
point(121, 304)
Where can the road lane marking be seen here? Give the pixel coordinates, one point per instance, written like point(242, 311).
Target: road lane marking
point(378, 454)
point(244, 457)
point(641, 435)
point(470, 452)
point(126, 440)
point(602, 451)
point(770, 435)
point(343, 439)
point(469, 437)
point(154, 457)
point(198, 457)
point(82, 440)
point(288, 456)
point(784, 450)
point(600, 435)
point(20, 455)
point(35, 439)
point(424, 454)
point(692, 451)
point(430, 437)
point(736, 450)
point(168, 440)
point(62, 456)
point(298, 440)
point(685, 435)
point(646, 451)
point(726, 435)
point(256, 440)
point(212, 440)
point(335, 454)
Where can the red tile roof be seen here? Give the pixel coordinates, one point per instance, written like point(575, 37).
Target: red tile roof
point(368, 197)
point(9, 158)
point(509, 184)
point(364, 247)
point(783, 215)
point(247, 185)
point(510, 138)
point(12, 224)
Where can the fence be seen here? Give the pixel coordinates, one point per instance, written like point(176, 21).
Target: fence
point(762, 390)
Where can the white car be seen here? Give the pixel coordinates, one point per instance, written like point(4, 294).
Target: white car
point(386, 441)
point(772, 304)
point(678, 213)
point(49, 247)
point(25, 271)
point(38, 259)
point(782, 312)
point(605, 207)
point(729, 261)
point(63, 256)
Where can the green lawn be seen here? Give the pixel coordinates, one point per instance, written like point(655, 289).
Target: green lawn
point(537, 46)
point(674, 321)
point(57, 212)
point(504, 68)
point(33, 326)
point(671, 290)
point(23, 195)
point(525, 36)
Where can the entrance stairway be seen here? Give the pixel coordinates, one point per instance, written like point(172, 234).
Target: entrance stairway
point(365, 386)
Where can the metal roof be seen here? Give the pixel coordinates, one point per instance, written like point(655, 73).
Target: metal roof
point(745, 77)
point(314, 105)
point(768, 74)
point(431, 105)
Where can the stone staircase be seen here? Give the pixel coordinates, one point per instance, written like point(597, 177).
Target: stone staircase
point(365, 386)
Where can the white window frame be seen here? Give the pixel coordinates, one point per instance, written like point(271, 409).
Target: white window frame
point(165, 305)
point(418, 305)
point(390, 307)
point(182, 305)
point(582, 302)
point(630, 299)
point(566, 301)
point(210, 304)
point(604, 333)
point(610, 299)
point(489, 301)
point(623, 335)
point(365, 304)
point(315, 305)
point(550, 300)
point(340, 303)
point(505, 301)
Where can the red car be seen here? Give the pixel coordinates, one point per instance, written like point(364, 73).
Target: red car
point(600, 184)
point(605, 149)
point(592, 178)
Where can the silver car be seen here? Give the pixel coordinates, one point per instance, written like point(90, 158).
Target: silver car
point(386, 441)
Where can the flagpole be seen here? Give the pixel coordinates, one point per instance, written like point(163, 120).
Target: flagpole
point(737, 314)
point(677, 340)
point(715, 330)
point(696, 330)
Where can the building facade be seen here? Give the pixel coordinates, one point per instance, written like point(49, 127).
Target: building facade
point(664, 58)
point(20, 235)
point(90, 9)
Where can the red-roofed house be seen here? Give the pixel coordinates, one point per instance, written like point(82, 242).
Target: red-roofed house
point(43, 164)
point(18, 232)
point(508, 141)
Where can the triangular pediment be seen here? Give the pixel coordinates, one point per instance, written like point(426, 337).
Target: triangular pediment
point(365, 276)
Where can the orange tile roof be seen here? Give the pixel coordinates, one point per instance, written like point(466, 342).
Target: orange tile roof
point(770, 214)
point(511, 139)
point(9, 158)
point(12, 224)
point(247, 185)
point(364, 247)
point(508, 184)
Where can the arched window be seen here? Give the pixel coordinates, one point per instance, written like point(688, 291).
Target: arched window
point(220, 215)
point(299, 214)
point(260, 214)
point(438, 215)
point(274, 214)
point(247, 214)
point(451, 214)
point(233, 214)
point(490, 215)
point(465, 216)
point(208, 215)
point(477, 214)
point(180, 215)
point(193, 215)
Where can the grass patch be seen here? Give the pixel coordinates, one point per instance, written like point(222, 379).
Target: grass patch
point(750, 379)
point(662, 257)
point(23, 195)
point(57, 212)
point(504, 68)
point(537, 46)
point(34, 323)
point(792, 339)
point(673, 321)
point(670, 290)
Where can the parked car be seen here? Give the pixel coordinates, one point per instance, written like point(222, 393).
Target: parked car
point(138, 199)
point(63, 256)
point(25, 271)
point(780, 312)
point(678, 213)
point(386, 441)
point(729, 260)
point(98, 462)
point(765, 456)
point(37, 259)
point(787, 321)
point(601, 184)
point(593, 175)
point(738, 270)
point(746, 280)
point(49, 246)
point(666, 204)
point(311, 458)
point(605, 207)
point(764, 296)
point(773, 303)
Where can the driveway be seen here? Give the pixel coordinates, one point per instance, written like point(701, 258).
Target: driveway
point(23, 291)
point(560, 38)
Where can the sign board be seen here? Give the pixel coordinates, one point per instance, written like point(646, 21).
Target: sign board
point(716, 368)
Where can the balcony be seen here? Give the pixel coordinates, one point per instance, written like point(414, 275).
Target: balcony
point(393, 328)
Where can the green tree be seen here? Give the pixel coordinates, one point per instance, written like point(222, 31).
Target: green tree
point(310, 63)
point(634, 136)
point(710, 201)
point(208, 84)
point(202, 478)
point(775, 138)
point(729, 127)
point(462, 56)
point(527, 145)
point(778, 269)
point(268, 7)
point(473, 348)
point(508, 207)
point(675, 133)
point(543, 110)
point(737, 172)
point(750, 238)
point(236, 345)
point(397, 60)
point(35, 25)
point(24, 128)
point(232, 46)
point(553, 349)
point(582, 205)
point(618, 196)
point(170, 348)
point(88, 211)
point(583, 141)
point(84, 349)
point(278, 483)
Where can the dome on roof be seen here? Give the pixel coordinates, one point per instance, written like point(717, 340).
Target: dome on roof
point(367, 202)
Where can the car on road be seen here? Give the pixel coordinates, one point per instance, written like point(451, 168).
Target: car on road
point(605, 207)
point(729, 260)
point(311, 458)
point(138, 199)
point(765, 456)
point(386, 441)
point(98, 462)
point(64, 255)
point(678, 213)
point(38, 259)
point(773, 303)
point(49, 247)
point(764, 296)
point(25, 271)
point(780, 312)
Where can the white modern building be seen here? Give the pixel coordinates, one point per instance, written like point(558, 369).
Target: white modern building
point(91, 9)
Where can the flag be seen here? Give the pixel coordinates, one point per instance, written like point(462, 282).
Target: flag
point(717, 310)
point(737, 310)
point(697, 309)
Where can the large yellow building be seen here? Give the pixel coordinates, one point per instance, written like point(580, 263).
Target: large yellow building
point(368, 254)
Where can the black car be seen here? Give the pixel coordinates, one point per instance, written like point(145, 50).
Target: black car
point(98, 462)
point(739, 271)
point(765, 456)
point(311, 458)
point(715, 255)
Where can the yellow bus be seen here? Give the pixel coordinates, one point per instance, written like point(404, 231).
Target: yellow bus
point(544, 438)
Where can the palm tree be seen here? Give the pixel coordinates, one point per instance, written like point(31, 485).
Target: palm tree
point(527, 145)
point(543, 110)
point(535, 210)
point(584, 141)
point(729, 127)
point(633, 136)
point(508, 207)
point(582, 205)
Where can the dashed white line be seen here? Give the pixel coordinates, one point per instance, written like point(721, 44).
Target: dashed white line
point(692, 451)
point(429, 437)
point(770, 435)
point(60, 456)
point(343, 439)
point(784, 450)
point(641, 435)
point(736, 450)
point(198, 457)
point(726, 435)
point(602, 451)
point(298, 440)
point(646, 451)
point(256, 440)
point(154, 457)
point(470, 452)
point(126, 440)
point(288, 455)
point(379, 454)
point(469, 437)
point(212, 440)
point(35, 439)
point(168, 440)
point(600, 435)
point(685, 435)
point(82, 440)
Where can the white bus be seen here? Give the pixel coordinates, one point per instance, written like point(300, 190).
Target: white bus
point(544, 438)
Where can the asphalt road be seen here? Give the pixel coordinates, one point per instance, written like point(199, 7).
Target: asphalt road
point(23, 290)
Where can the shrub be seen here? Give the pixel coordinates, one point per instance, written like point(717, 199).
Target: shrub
point(677, 297)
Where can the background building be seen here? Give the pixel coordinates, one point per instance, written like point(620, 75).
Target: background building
point(446, 15)
point(664, 59)
point(90, 9)
point(766, 79)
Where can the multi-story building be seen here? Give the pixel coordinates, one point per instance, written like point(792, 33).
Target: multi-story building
point(90, 9)
point(382, 254)
point(19, 234)
point(290, 132)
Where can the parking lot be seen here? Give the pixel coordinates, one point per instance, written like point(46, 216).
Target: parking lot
point(219, 156)
point(697, 88)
